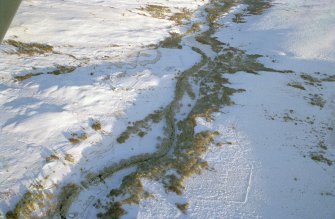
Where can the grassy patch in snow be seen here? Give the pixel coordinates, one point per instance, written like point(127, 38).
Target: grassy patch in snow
point(164, 12)
point(68, 194)
point(179, 17)
point(310, 79)
point(96, 125)
point(29, 49)
point(317, 100)
point(114, 211)
point(26, 76)
point(182, 207)
point(257, 7)
point(329, 78)
point(207, 39)
point(51, 158)
point(141, 125)
point(28, 204)
point(217, 9)
point(320, 158)
point(296, 85)
point(69, 158)
point(157, 11)
point(141, 134)
point(322, 145)
point(62, 70)
point(173, 41)
point(238, 18)
point(58, 71)
point(194, 28)
point(76, 138)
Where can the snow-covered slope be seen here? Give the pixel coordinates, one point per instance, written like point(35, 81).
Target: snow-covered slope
point(100, 97)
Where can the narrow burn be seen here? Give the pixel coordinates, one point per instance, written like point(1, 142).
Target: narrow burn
point(185, 149)
point(181, 148)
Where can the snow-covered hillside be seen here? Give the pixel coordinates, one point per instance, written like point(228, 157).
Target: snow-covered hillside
point(168, 109)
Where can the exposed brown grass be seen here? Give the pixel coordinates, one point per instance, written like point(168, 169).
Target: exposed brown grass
point(182, 207)
point(26, 76)
point(320, 158)
point(51, 158)
point(58, 71)
point(157, 11)
point(179, 17)
point(139, 126)
point(296, 85)
point(114, 211)
point(77, 138)
point(173, 41)
point(96, 126)
point(29, 49)
point(69, 192)
point(69, 158)
point(317, 100)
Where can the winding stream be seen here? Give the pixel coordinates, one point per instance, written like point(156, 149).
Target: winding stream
point(181, 148)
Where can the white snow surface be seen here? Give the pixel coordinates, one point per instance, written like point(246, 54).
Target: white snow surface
point(264, 172)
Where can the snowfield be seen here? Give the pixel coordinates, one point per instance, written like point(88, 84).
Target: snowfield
point(168, 109)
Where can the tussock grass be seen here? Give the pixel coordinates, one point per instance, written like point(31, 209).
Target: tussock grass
point(194, 28)
point(26, 76)
point(320, 158)
point(29, 49)
point(182, 207)
point(238, 18)
point(157, 11)
point(51, 158)
point(296, 85)
point(62, 70)
point(317, 100)
point(139, 126)
point(329, 78)
point(217, 9)
point(310, 79)
point(173, 41)
point(179, 17)
point(257, 7)
point(28, 204)
point(76, 138)
point(69, 192)
point(96, 125)
point(58, 71)
point(114, 211)
point(69, 158)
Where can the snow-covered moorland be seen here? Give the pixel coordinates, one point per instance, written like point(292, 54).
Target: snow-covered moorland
point(168, 109)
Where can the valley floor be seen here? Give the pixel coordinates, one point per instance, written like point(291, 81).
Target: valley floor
point(168, 109)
